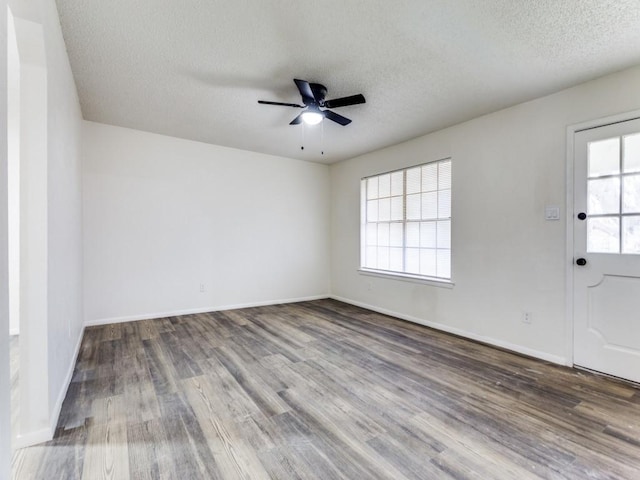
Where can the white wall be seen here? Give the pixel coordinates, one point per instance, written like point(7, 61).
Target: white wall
point(34, 365)
point(50, 219)
point(64, 212)
point(163, 216)
point(506, 258)
point(5, 385)
point(13, 172)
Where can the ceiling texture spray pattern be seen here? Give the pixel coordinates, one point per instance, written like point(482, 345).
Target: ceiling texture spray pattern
point(195, 69)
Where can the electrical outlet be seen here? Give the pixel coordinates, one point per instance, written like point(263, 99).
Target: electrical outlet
point(202, 288)
point(526, 318)
point(369, 286)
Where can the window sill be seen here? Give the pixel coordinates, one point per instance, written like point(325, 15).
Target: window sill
point(405, 277)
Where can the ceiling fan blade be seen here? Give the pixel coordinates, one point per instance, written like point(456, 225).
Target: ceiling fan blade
point(265, 102)
point(345, 101)
point(336, 118)
point(296, 120)
point(305, 90)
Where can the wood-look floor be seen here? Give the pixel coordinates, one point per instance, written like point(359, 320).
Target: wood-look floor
point(324, 390)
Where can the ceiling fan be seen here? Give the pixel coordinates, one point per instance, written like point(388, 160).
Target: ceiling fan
point(313, 98)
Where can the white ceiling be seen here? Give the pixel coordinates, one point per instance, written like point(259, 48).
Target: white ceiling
point(196, 68)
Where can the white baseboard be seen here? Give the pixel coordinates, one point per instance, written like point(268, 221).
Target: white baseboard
point(151, 316)
point(32, 438)
point(57, 408)
point(462, 333)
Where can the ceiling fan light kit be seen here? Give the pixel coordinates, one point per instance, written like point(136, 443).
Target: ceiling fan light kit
point(313, 99)
point(312, 117)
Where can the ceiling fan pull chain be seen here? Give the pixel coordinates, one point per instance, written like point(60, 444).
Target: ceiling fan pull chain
point(322, 139)
point(303, 129)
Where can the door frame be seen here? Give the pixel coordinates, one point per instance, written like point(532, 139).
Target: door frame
point(571, 131)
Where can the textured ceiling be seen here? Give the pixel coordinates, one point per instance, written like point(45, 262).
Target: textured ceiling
point(196, 68)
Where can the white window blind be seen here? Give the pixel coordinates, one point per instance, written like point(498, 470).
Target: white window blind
point(406, 221)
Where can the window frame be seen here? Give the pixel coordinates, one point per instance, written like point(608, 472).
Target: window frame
point(396, 274)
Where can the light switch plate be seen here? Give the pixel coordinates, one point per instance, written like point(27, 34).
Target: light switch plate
point(552, 212)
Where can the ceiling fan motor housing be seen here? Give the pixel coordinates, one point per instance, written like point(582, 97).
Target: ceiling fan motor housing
point(319, 92)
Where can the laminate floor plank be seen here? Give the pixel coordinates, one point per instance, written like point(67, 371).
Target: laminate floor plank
point(106, 452)
point(26, 462)
point(143, 460)
point(257, 390)
point(348, 453)
point(325, 390)
point(234, 457)
point(321, 455)
point(297, 453)
point(274, 343)
point(137, 387)
point(163, 374)
point(186, 440)
point(281, 465)
point(471, 443)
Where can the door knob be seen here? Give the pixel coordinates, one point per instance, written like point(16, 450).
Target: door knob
point(582, 215)
point(581, 261)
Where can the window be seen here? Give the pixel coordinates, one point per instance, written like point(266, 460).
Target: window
point(613, 195)
point(406, 221)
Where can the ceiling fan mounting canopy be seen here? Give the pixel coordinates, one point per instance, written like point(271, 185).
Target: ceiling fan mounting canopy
point(313, 99)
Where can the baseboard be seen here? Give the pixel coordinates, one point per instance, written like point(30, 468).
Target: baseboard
point(462, 333)
point(151, 316)
point(57, 408)
point(32, 438)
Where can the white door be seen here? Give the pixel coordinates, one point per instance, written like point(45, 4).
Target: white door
point(607, 249)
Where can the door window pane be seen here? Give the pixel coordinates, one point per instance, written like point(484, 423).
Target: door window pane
point(603, 235)
point(631, 234)
point(604, 157)
point(631, 160)
point(631, 194)
point(603, 196)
